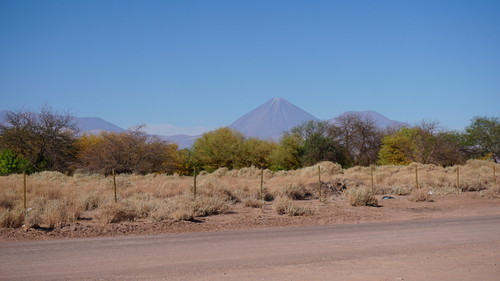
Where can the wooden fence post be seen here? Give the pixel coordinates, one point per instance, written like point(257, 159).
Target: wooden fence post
point(494, 176)
point(114, 185)
point(24, 189)
point(194, 184)
point(371, 174)
point(416, 176)
point(261, 183)
point(319, 182)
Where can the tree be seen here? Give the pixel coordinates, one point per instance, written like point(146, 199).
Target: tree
point(11, 163)
point(317, 143)
point(220, 148)
point(128, 152)
point(482, 137)
point(286, 156)
point(424, 144)
point(256, 152)
point(396, 148)
point(449, 150)
point(47, 140)
point(359, 138)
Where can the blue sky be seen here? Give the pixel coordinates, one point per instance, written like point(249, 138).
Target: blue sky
point(183, 66)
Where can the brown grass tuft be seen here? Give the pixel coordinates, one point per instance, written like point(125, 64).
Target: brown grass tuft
point(253, 203)
point(361, 196)
point(420, 195)
point(11, 218)
point(295, 192)
point(116, 212)
point(285, 206)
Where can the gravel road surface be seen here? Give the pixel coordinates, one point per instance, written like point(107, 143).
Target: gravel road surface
point(440, 249)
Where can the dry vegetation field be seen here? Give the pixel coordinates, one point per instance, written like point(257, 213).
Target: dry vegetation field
point(83, 204)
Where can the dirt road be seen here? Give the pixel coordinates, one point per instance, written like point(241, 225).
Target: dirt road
point(441, 249)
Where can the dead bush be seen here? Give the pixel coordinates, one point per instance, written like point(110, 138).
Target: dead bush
point(285, 206)
point(116, 212)
point(186, 214)
point(492, 192)
point(12, 218)
point(33, 217)
point(206, 206)
point(295, 192)
point(268, 197)
point(8, 200)
point(400, 190)
point(186, 208)
point(91, 201)
point(361, 196)
point(420, 195)
point(253, 203)
point(55, 213)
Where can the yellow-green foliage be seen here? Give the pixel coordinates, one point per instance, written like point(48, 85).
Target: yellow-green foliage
point(396, 148)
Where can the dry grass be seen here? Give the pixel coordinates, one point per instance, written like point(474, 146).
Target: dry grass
point(295, 192)
point(253, 203)
point(11, 218)
point(286, 206)
point(420, 195)
point(116, 212)
point(361, 196)
point(54, 198)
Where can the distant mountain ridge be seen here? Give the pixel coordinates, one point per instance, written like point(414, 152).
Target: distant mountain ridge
point(268, 121)
point(271, 119)
point(95, 125)
point(86, 125)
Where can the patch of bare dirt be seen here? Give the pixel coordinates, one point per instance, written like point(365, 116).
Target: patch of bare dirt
point(334, 210)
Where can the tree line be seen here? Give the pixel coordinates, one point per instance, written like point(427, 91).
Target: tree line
point(49, 141)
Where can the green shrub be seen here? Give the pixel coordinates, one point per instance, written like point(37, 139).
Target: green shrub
point(11, 163)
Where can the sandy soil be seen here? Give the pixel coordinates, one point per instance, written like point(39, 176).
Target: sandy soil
point(334, 211)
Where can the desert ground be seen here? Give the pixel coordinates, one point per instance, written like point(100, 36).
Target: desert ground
point(79, 206)
point(416, 222)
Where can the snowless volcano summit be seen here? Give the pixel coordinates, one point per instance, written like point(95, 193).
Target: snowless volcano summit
point(271, 120)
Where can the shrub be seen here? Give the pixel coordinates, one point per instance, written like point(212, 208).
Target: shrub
point(12, 218)
point(253, 203)
point(161, 211)
point(361, 196)
point(285, 206)
point(493, 192)
point(186, 208)
point(10, 163)
point(400, 190)
point(206, 206)
point(55, 213)
point(420, 195)
point(116, 212)
point(8, 199)
point(91, 201)
point(295, 192)
point(268, 197)
point(35, 215)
